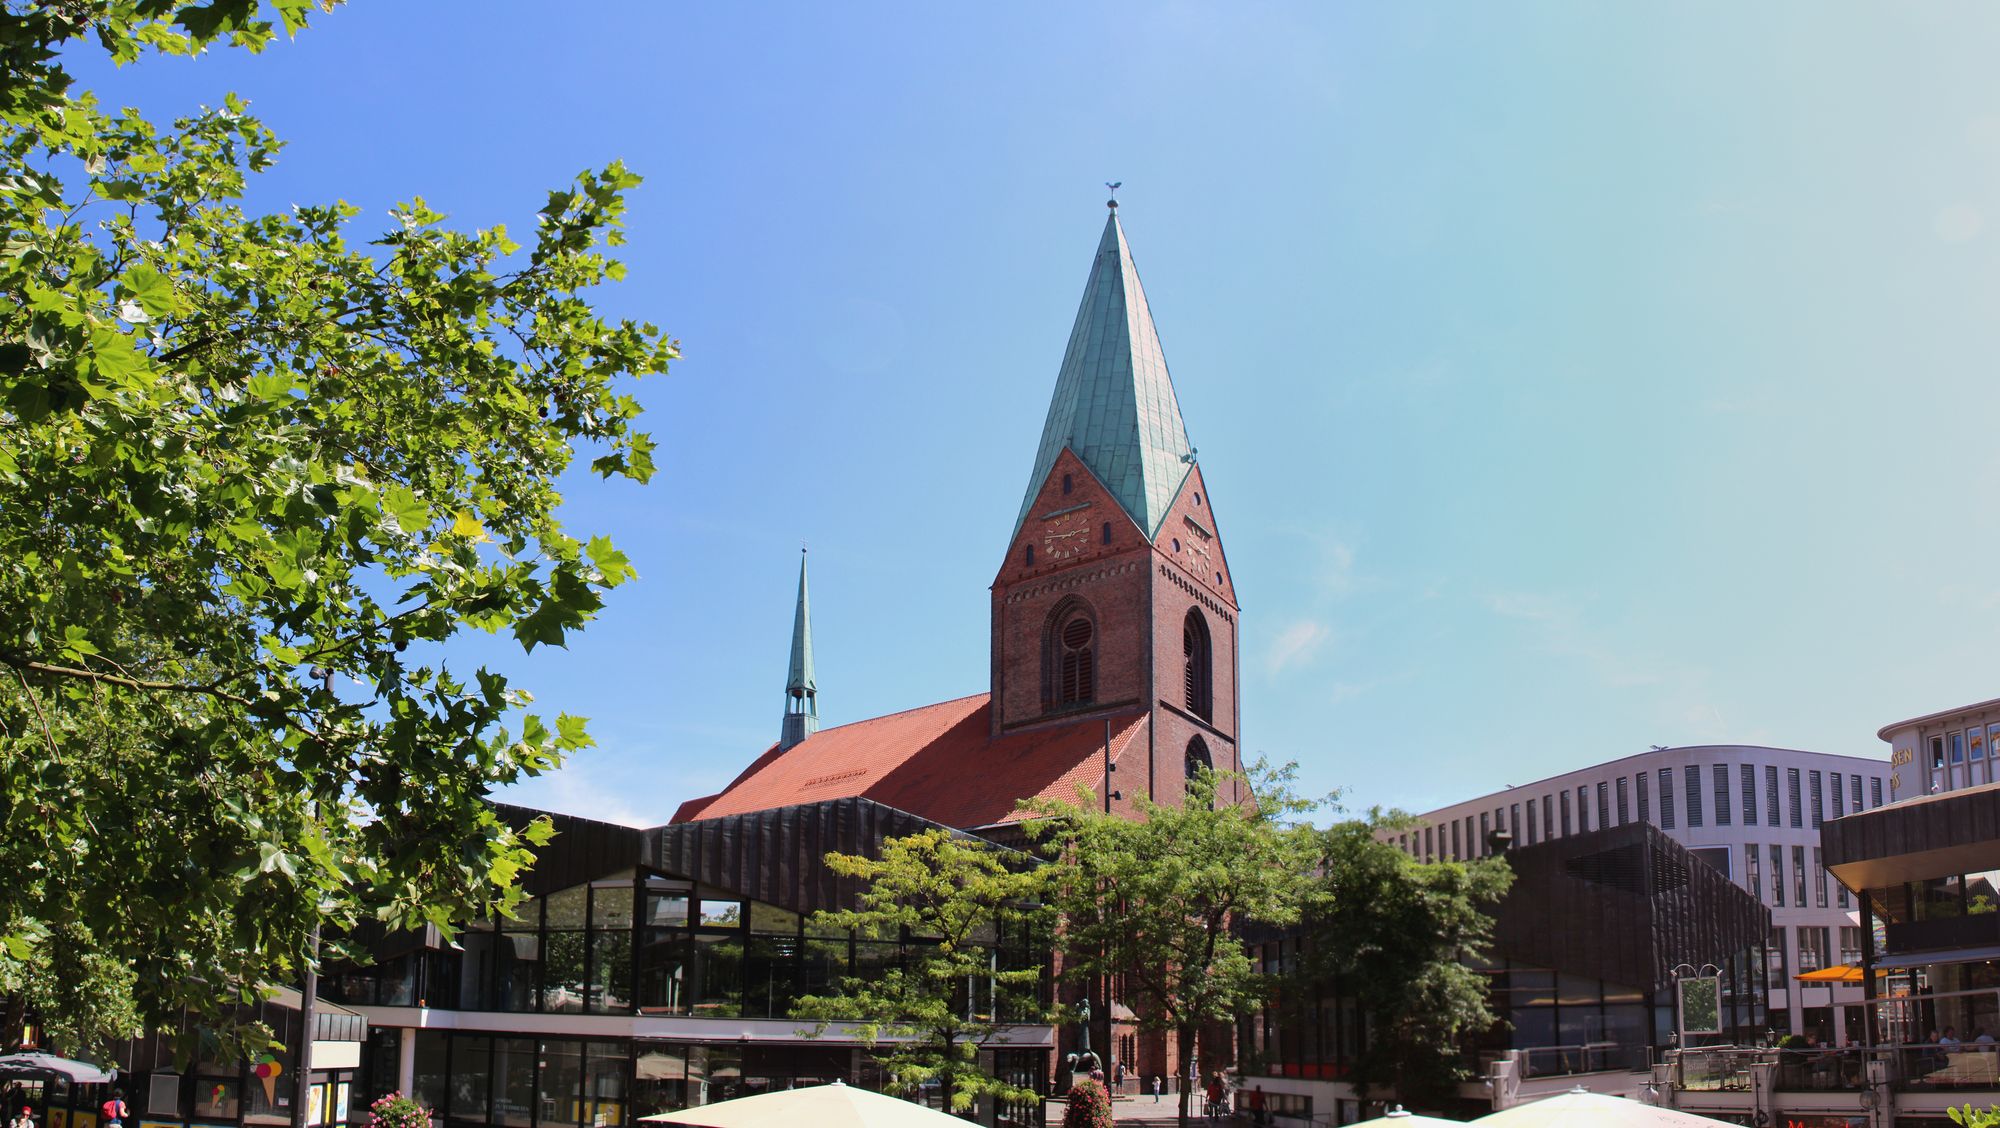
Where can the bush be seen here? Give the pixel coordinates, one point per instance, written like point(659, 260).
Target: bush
point(398, 1111)
point(1089, 1106)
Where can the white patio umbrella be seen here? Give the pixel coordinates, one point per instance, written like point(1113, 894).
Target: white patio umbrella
point(823, 1106)
point(1400, 1117)
point(81, 1072)
point(1580, 1109)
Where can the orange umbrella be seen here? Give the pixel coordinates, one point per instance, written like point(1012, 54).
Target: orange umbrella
point(1841, 973)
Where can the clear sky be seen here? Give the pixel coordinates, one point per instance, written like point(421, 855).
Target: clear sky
point(1568, 378)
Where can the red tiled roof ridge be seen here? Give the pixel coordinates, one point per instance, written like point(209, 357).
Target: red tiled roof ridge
point(902, 713)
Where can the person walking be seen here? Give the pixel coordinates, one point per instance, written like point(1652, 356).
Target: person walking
point(1257, 1106)
point(115, 1110)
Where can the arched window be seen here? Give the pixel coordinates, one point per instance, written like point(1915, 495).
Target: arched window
point(1069, 656)
point(1199, 668)
point(1198, 759)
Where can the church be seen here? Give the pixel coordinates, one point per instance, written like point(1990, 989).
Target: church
point(1114, 632)
point(654, 969)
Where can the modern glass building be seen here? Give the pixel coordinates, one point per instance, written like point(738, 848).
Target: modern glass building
point(650, 970)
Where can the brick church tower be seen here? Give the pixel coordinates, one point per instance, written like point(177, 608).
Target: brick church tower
point(1115, 597)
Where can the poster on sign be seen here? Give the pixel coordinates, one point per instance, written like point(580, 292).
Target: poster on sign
point(1701, 1005)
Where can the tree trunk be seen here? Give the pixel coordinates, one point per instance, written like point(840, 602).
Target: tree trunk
point(1183, 1057)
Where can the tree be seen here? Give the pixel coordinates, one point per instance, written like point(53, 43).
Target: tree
point(956, 903)
point(1158, 899)
point(1392, 934)
point(255, 475)
point(1974, 1118)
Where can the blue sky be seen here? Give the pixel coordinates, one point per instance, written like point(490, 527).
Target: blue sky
point(1568, 379)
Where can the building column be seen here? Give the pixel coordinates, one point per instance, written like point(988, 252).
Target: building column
point(406, 1063)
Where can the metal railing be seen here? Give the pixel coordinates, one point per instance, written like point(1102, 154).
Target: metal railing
point(1592, 1057)
point(1907, 1068)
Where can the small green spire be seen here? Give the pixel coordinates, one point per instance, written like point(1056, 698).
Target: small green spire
point(801, 694)
point(1114, 404)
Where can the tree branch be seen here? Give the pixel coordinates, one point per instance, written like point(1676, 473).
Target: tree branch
point(20, 663)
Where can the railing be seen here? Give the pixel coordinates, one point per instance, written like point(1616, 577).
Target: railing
point(1907, 1068)
point(1594, 1057)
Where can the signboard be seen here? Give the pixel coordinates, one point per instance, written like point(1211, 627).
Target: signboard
point(1701, 1004)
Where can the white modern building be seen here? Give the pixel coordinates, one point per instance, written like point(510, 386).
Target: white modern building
point(1752, 812)
point(1939, 752)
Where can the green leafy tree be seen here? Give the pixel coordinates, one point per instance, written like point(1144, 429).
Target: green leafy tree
point(1158, 899)
point(952, 900)
point(255, 473)
point(1392, 934)
point(1974, 1118)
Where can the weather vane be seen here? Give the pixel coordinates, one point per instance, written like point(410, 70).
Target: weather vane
point(1114, 185)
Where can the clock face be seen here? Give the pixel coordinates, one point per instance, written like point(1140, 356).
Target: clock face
point(1065, 538)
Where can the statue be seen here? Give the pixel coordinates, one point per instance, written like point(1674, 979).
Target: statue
point(1083, 1020)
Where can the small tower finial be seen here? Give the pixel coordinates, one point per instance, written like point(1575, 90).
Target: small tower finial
point(1114, 185)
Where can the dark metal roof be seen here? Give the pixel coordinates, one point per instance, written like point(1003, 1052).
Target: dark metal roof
point(1956, 832)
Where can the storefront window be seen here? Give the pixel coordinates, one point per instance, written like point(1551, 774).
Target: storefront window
point(561, 1083)
point(605, 1067)
point(471, 1077)
point(216, 1098)
point(659, 1080)
point(432, 1068)
point(514, 1082)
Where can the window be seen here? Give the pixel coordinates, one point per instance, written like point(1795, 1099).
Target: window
point(1531, 822)
point(1817, 796)
point(1855, 789)
point(1583, 811)
point(1514, 824)
point(1666, 799)
point(1107, 532)
point(1565, 819)
point(1603, 804)
point(1937, 753)
point(1549, 819)
point(1819, 880)
point(1069, 657)
point(1812, 949)
point(1029, 551)
point(1645, 797)
point(1799, 875)
point(1456, 854)
point(1957, 748)
point(1066, 485)
point(1839, 797)
point(1850, 944)
point(1748, 785)
point(1752, 877)
point(1774, 955)
point(1197, 665)
point(1198, 759)
point(1430, 845)
point(1485, 830)
point(1875, 791)
point(1975, 743)
point(1624, 815)
point(1778, 876)
point(1792, 793)
point(1771, 795)
point(1722, 794)
point(1694, 795)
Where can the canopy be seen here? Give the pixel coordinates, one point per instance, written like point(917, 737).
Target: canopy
point(81, 1072)
point(1580, 1109)
point(823, 1106)
point(1839, 973)
point(1403, 1118)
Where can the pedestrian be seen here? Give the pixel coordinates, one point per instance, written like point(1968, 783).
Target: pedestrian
point(115, 1111)
point(1159, 1083)
point(1257, 1106)
point(25, 1120)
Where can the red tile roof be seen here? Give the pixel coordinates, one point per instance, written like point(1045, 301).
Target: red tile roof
point(938, 762)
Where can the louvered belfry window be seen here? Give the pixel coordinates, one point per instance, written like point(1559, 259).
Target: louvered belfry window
point(1075, 684)
point(1199, 665)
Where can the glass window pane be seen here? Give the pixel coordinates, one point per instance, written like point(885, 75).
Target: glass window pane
point(562, 972)
point(471, 1077)
point(606, 1067)
point(560, 1088)
point(667, 909)
point(431, 1068)
point(611, 904)
point(611, 971)
point(665, 970)
point(772, 919)
point(566, 908)
point(514, 1074)
point(721, 914)
point(718, 976)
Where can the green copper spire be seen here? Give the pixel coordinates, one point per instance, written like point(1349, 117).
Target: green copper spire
point(1114, 404)
point(801, 695)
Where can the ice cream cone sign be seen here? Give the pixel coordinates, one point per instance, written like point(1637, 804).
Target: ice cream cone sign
point(266, 1071)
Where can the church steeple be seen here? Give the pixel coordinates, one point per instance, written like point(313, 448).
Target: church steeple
point(1114, 404)
point(801, 695)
